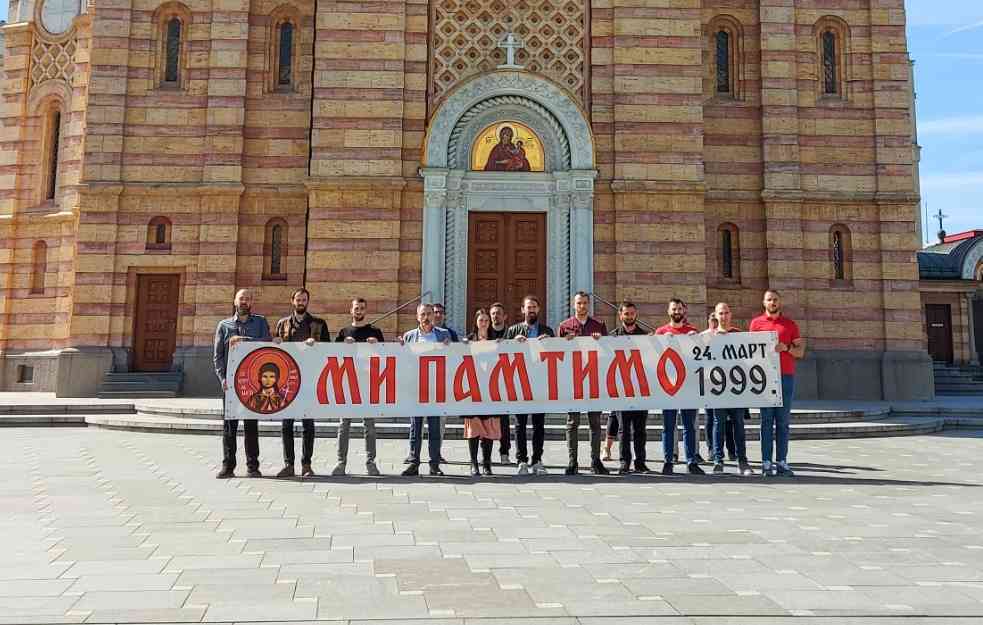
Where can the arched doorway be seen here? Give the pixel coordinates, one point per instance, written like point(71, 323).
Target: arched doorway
point(560, 197)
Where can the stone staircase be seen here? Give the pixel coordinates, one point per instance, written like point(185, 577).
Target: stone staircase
point(958, 380)
point(134, 385)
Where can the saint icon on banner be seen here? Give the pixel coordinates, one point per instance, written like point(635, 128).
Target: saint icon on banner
point(267, 380)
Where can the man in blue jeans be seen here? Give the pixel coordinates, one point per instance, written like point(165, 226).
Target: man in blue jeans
point(720, 419)
point(678, 325)
point(775, 421)
point(426, 332)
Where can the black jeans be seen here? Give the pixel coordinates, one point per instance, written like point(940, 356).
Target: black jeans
point(504, 443)
point(538, 436)
point(613, 425)
point(633, 434)
point(230, 429)
point(307, 445)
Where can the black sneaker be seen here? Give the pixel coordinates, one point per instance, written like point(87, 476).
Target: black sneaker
point(475, 472)
point(410, 460)
point(699, 459)
point(571, 469)
point(718, 468)
point(624, 470)
point(641, 467)
point(225, 473)
point(784, 470)
point(694, 469)
point(486, 469)
point(667, 468)
point(598, 468)
point(411, 471)
point(435, 470)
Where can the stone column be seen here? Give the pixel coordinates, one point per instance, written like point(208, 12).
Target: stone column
point(434, 229)
point(974, 357)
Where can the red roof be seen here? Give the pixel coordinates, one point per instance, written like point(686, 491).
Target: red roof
point(969, 234)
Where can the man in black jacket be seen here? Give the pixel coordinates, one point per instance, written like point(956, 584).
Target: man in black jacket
point(633, 422)
point(299, 326)
point(530, 328)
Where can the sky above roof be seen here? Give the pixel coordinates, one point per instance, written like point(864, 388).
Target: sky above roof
point(946, 41)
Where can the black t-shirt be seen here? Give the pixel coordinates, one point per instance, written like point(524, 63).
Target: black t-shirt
point(361, 334)
point(497, 334)
point(620, 331)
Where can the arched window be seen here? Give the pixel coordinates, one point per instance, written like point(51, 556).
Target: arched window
point(831, 84)
point(729, 252)
point(283, 47)
point(275, 250)
point(39, 266)
point(840, 253)
point(832, 50)
point(50, 147)
point(725, 50)
point(159, 234)
point(172, 23)
point(979, 271)
point(285, 60)
point(723, 61)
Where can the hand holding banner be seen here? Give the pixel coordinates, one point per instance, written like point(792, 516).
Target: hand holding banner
point(337, 380)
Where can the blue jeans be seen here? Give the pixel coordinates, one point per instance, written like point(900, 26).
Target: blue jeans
point(689, 434)
point(720, 418)
point(775, 424)
point(433, 439)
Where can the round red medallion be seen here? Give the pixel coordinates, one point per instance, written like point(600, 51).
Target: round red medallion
point(267, 380)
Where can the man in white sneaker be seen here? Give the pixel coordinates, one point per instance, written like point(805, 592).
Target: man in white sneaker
point(775, 421)
point(530, 328)
point(360, 331)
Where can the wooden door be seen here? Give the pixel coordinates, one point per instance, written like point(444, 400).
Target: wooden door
point(506, 261)
point(978, 326)
point(155, 325)
point(938, 325)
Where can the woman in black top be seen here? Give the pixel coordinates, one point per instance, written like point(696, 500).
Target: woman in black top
point(485, 429)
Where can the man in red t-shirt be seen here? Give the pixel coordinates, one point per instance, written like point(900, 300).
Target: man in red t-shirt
point(679, 325)
point(775, 421)
point(582, 324)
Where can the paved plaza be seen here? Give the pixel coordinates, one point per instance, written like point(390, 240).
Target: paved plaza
point(102, 526)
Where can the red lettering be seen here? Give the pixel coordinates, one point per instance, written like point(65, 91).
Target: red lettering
point(581, 371)
point(509, 369)
point(338, 374)
point(377, 379)
point(425, 362)
point(624, 365)
point(551, 358)
point(466, 369)
point(668, 356)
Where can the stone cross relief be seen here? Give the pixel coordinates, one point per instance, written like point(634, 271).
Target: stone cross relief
point(510, 44)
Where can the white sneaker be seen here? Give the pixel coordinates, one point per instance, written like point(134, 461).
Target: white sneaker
point(523, 469)
point(539, 469)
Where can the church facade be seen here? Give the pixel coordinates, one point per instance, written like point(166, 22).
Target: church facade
point(159, 155)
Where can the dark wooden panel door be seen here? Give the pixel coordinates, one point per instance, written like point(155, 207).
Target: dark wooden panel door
point(155, 326)
point(506, 261)
point(938, 322)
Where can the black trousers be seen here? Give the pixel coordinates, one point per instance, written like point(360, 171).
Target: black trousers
point(307, 444)
point(538, 436)
point(230, 429)
point(504, 443)
point(633, 434)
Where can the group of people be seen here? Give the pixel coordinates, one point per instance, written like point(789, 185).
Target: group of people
point(723, 426)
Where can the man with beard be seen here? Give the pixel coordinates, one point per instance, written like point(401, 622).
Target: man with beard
point(241, 326)
point(719, 420)
point(497, 331)
point(360, 331)
point(775, 421)
point(300, 326)
point(678, 325)
point(530, 328)
point(633, 422)
point(439, 321)
point(582, 324)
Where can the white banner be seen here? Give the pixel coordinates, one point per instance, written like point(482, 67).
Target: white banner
point(325, 380)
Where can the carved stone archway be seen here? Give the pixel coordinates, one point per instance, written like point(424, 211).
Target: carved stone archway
point(565, 191)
